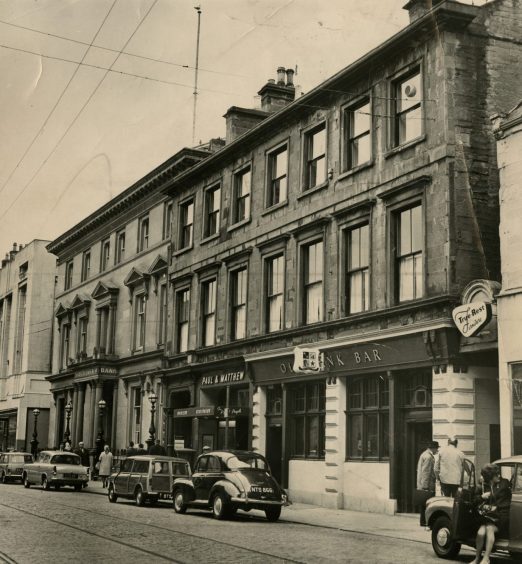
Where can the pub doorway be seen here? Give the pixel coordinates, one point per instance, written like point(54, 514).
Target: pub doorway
point(274, 430)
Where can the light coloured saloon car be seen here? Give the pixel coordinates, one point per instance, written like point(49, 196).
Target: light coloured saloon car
point(12, 465)
point(55, 468)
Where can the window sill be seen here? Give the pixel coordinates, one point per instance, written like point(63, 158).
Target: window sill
point(405, 146)
point(182, 251)
point(308, 458)
point(238, 224)
point(274, 207)
point(355, 170)
point(209, 238)
point(313, 190)
point(370, 460)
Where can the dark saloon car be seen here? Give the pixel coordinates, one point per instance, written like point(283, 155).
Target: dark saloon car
point(226, 481)
point(12, 465)
point(147, 478)
point(454, 522)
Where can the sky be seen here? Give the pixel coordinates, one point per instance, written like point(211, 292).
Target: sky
point(96, 93)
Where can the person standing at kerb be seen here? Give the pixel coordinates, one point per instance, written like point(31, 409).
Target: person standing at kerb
point(426, 479)
point(448, 468)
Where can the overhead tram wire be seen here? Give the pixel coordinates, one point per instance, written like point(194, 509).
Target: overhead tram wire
point(22, 191)
point(46, 121)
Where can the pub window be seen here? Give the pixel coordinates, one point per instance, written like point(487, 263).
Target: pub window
point(274, 400)
point(238, 283)
point(182, 319)
point(368, 418)
point(86, 265)
point(306, 416)
point(241, 197)
point(143, 233)
point(357, 269)
point(409, 254)
point(407, 108)
point(69, 272)
point(212, 211)
point(277, 167)
point(208, 296)
point(275, 274)
point(315, 157)
point(313, 300)
point(120, 247)
point(358, 135)
point(186, 224)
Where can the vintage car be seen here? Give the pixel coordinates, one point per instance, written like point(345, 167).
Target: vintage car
point(55, 468)
point(147, 478)
point(454, 521)
point(12, 465)
point(225, 481)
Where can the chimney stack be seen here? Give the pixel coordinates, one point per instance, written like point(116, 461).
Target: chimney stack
point(276, 95)
point(419, 8)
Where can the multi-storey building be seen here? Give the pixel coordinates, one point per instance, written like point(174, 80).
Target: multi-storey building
point(27, 283)
point(351, 220)
point(509, 134)
point(111, 313)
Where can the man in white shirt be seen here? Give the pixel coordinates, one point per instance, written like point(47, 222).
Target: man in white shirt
point(448, 468)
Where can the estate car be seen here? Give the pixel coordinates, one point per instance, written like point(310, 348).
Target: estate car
point(453, 521)
point(147, 478)
point(12, 465)
point(225, 481)
point(55, 468)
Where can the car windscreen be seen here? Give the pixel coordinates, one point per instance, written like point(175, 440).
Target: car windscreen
point(65, 459)
point(21, 458)
point(246, 461)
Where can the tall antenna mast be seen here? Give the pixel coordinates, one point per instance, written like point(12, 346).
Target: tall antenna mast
point(198, 10)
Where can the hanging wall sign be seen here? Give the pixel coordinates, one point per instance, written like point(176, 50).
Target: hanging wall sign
point(471, 318)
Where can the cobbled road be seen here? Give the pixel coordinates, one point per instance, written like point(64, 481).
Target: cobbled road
point(67, 526)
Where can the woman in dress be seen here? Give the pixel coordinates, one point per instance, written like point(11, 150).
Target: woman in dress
point(105, 465)
point(495, 491)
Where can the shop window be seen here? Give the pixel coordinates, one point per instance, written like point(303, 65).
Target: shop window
point(105, 255)
point(209, 293)
point(274, 401)
point(212, 211)
point(313, 299)
point(409, 254)
point(120, 247)
point(357, 271)
point(516, 376)
point(143, 233)
point(238, 283)
point(86, 265)
point(241, 197)
point(275, 277)
point(315, 157)
point(69, 272)
point(182, 319)
point(306, 418)
point(358, 135)
point(407, 108)
point(368, 418)
point(277, 167)
point(186, 225)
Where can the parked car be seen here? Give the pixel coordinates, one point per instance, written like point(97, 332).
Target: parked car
point(226, 481)
point(12, 465)
point(454, 522)
point(147, 478)
point(55, 468)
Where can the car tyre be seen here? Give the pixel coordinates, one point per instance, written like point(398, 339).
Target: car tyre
point(113, 498)
point(179, 502)
point(220, 507)
point(442, 541)
point(27, 483)
point(273, 513)
point(46, 485)
point(140, 497)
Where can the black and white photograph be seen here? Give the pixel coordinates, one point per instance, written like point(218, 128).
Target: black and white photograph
point(260, 281)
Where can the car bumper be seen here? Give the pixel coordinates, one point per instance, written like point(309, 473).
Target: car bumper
point(67, 481)
point(248, 502)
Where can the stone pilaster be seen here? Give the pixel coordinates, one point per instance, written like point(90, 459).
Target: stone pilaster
point(259, 420)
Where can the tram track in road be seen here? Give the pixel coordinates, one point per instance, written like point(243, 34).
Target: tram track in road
point(6, 559)
point(199, 539)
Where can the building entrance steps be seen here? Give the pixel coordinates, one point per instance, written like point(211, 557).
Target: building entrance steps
point(400, 526)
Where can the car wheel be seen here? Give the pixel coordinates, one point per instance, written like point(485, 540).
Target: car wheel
point(46, 485)
point(77, 487)
point(27, 483)
point(442, 540)
point(178, 500)
point(140, 497)
point(113, 498)
point(273, 512)
point(220, 507)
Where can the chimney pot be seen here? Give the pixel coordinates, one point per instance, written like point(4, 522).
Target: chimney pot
point(15, 247)
point(271, 81)
point(290, 77)
point(281, 76)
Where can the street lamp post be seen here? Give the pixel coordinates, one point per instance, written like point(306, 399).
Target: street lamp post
point(102, 404)
point(34, 442)
point(67, 434)
point(153, 398)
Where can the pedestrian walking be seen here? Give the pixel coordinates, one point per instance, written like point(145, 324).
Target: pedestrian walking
point(105, 465)
point(426, 479)
point(83, 453)
point(448, 468)
point(158, 448)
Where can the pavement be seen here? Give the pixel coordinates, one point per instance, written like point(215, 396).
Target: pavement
point(400, 526)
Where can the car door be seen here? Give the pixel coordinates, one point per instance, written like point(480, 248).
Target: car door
point(198, 477)
point(213, 474)
point(515, 514)
point(160, 481)
point(121, 482)
point(464, 516)
point(139, 474)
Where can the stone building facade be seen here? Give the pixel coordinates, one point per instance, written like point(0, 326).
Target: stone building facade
point(27, 285)
point(352, 221)
point(111, 312)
